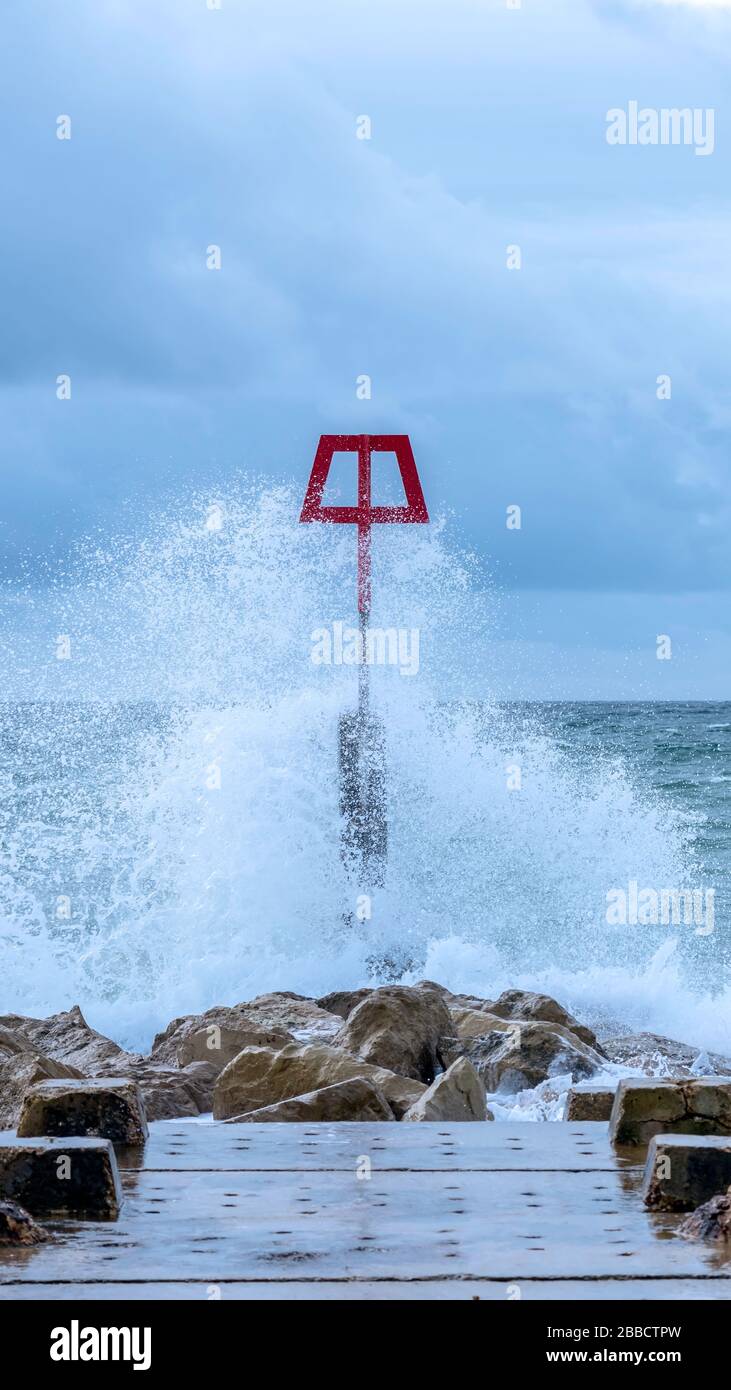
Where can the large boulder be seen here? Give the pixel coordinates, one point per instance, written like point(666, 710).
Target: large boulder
point(15, 1041)
point(262, 1076)
point(66, 1037)
point(20, 1070)
point(218, 1044)
point(458, 1094)
point(214, 1036)
point(450, 1048)
point(343, 1001)
point(74, 1050)
point(475, 1023)
point(541, 1008)
point(110, 1109)
point(712, 1221)
point(292, 1012)
point(358, 1099)
point(528, 1053)
point(398, 1027)
point(655, 1055)
point(682, 1171)
point(469, 1001)
point(463, 1001)
point(645, 1106)
point(271, 1020)
point(17, 1226)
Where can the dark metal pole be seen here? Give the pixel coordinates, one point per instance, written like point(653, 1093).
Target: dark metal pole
point(362, 742)
point(362, 745)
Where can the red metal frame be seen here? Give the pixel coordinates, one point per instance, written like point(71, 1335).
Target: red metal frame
point(364, 515)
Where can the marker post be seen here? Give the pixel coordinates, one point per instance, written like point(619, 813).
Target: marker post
point(361, 735)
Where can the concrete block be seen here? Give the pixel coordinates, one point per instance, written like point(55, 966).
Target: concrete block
point(683, 1171)
point(61, 1177)
point(589, 1102)
point(646, 1106)
point(108, 1109)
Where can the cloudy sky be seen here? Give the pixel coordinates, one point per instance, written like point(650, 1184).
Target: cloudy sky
point(387, 257)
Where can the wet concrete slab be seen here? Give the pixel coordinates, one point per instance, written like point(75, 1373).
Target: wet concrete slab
point(178, 1145)
point(403, 1290)
point(374, 1211)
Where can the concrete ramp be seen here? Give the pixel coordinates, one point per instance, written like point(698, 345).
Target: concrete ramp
point(368, 1211)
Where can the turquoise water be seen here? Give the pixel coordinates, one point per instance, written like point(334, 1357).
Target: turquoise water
point(113, 894)
point(682, 753)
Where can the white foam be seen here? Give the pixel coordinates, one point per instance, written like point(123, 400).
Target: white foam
point(189, 895)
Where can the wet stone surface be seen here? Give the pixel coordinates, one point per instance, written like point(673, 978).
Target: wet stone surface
point(263, 1209)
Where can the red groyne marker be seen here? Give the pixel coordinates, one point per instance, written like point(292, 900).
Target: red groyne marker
point(361, 736)
point(365, 515)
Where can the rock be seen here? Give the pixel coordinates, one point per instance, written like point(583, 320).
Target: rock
point(358, 1099)
point(168, 1092)
point(343, 1001)
point(526, 1054)
point(17, 1226)
point(462, 1001)
point(645, 1106)
point(66, 1037)
point(275, 1018)
point(589, 1102)
point(659, 1056)
point(262, 1076)
point(446, 994)
point(164, 1050)
point(219, 1044)
point(214, 1036)
point(458, 1094)
point(541, 1008)
point(20, 1070)
point(292, 1012)
point(61, 1177)
point(712, 1221)
point(109, 1109)
point(450, 1049)
point(475, 1023)
point(281, 994)
point(15, 1042)
point(469, 1001)
point(398, 1027)
point(683, 1171)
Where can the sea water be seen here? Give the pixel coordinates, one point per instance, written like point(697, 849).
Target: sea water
point(169, 800)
